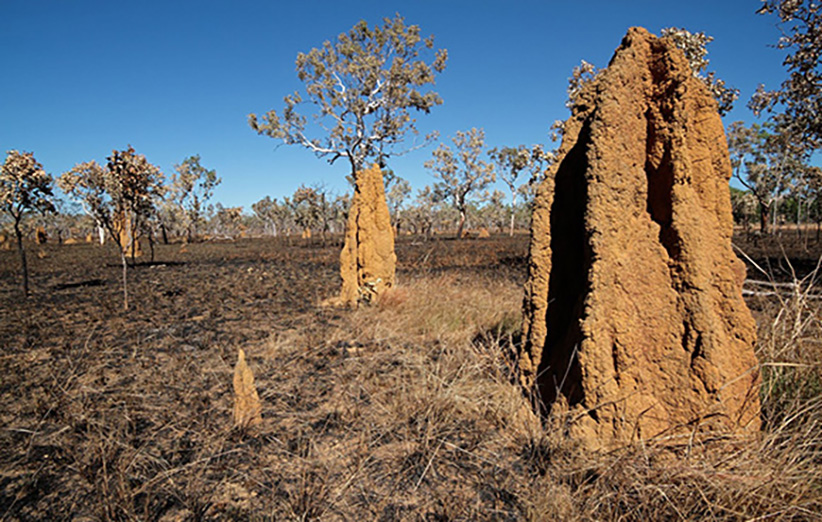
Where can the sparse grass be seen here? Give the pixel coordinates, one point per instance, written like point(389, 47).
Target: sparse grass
point(404, 411)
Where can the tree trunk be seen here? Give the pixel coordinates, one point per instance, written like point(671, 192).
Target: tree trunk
point(462, 224)
point(165, 234)
point(763, 218)
point(774, 215)
point(22, 252)
point(513, 212)
point(132, 240)
point(151, 244)
point(125, 280)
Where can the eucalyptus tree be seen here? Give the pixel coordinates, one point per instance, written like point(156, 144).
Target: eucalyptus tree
point(339, 212)
point(422, 210)
point(396, 194)
point(800, 95)
point(274, 215)
point(313, 208)
point(511, 162)
point(362, 90)
point(192, 185)
point(228, 221)
point(463, 172)
point(24, 188)
point(492, 214)
point(363, 87)
point(769, 161)
point(120, 197)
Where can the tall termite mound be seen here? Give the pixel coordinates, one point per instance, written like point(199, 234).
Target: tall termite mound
point(634, 322)
point(367, 261)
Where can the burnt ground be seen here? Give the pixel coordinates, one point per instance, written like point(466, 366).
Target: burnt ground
point(402, 413)
point(780, 257)
point(115, 415)
point(214, 293)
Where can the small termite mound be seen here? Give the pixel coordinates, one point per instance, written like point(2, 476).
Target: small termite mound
point(247, 407)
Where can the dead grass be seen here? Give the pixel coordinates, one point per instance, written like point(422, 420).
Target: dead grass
point(405, 411)
point(438, 430)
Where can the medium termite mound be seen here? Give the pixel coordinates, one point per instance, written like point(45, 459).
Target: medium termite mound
point(367, 261)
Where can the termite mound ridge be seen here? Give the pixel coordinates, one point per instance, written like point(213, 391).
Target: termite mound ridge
point(367, 260)
point(634, 322)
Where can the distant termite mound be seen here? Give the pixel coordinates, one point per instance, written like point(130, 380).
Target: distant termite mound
point(40, 236)
point(634, 319)
point(123, 228)
point(367, 261)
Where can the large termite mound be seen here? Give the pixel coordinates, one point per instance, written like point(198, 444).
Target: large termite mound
point(634, 320)
point(367, 261)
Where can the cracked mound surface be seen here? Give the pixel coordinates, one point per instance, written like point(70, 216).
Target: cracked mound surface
point(367, 261)
point(634, 318)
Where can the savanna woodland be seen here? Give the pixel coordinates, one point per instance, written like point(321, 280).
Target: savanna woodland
point(631, 329)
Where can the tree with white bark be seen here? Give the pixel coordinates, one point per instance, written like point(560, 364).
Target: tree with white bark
point(767, 160)
point(513, 161)
point(462, 173)
point(363, 88)
point(192, 185)
point(275, 216)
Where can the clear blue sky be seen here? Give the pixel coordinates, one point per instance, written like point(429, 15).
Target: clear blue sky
point(177, 78)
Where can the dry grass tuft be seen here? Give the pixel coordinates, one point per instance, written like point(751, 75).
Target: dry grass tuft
point(447, 307)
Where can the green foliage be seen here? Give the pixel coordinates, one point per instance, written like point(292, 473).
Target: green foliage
point(461, 173)
point(800, 95)
point(771, 164)
point(363, 86)
point(192, 185)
